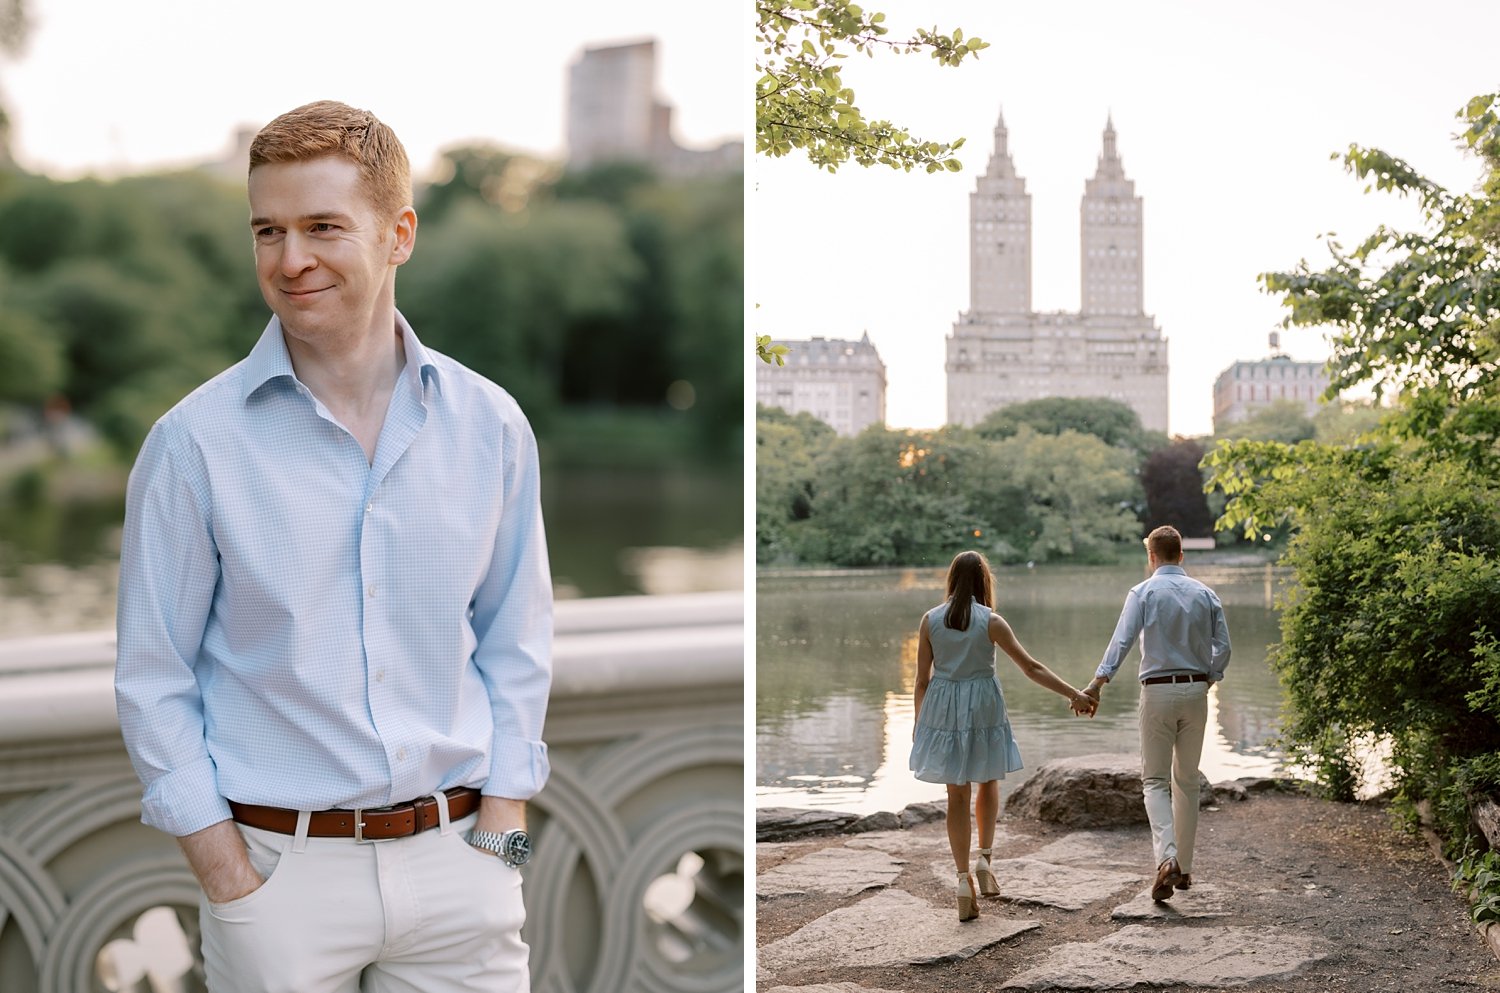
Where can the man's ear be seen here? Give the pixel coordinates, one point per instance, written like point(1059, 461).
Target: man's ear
point(406, 235)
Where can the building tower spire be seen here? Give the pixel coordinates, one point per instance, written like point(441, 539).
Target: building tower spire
point(1000, 234)
point(1111, 239)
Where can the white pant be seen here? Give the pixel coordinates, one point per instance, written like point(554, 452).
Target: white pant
point(1173, 719)
point(424, 914)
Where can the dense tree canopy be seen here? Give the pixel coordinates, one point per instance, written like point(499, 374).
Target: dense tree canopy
point(1111, 421)
point(916, 497)
point(1390, 629)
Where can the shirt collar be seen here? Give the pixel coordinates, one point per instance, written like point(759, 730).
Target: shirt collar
point(1170, 570)
point(269, 360)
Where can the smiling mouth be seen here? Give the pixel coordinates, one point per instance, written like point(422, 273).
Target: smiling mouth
point(303, 294)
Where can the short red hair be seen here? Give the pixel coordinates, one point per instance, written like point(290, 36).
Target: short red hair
point(327, 127)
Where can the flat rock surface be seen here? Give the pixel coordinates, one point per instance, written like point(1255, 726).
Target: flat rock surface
point(1048, 884)
point(1137, 955)
point(842, 871)
point(828, 988)
point(901, 842)
point(1203, 901)
point(889, 928)
point(1106, 849)
point(1301, 895)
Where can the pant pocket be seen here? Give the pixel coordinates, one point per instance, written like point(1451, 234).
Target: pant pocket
point(271, 862)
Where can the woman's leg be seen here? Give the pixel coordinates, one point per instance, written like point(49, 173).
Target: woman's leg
point(986, 810)
point(958, 825)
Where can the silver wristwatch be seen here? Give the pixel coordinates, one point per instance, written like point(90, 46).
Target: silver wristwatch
point(513, 847)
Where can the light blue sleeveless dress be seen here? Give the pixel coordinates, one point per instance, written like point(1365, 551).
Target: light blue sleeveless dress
point(963, 733)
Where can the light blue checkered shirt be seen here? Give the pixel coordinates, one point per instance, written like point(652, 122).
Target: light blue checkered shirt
point(301, 628)
point(1180, 623)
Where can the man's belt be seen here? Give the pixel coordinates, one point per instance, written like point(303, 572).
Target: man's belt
point(1181, 677)
point(368, 824)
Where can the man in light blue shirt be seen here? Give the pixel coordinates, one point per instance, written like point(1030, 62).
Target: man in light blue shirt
point(1184, 650)
point(335, 611)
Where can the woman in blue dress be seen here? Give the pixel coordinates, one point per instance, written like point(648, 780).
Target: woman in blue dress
point(962, 733)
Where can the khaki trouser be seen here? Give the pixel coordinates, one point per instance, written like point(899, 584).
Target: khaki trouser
point(1173, 719)
point(424, 914)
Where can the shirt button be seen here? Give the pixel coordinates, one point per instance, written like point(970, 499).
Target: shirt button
point(371, 589)
point(401, 755)
point(380, 675)
point(369, 507)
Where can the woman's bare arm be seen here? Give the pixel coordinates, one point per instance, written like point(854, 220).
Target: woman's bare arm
point(924, 672)
point(1002, 635)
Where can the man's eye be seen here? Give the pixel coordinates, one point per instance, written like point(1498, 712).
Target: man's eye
point(323, 227)
point(264, 232)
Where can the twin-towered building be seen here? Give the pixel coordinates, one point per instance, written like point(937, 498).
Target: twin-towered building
point(1002, 351)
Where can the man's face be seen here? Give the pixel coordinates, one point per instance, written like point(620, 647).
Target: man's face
point(326, 262)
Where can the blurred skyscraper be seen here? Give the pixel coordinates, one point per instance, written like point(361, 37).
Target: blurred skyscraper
point(614, 115)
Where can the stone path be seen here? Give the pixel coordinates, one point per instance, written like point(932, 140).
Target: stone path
point(874, 913)
point(896, 928)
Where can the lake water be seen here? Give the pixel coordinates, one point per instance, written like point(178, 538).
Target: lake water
point(609, 532)
point(836, 661)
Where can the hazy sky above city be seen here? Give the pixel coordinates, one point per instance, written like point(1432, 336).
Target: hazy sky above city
point(1226, 116)
point(109, 87)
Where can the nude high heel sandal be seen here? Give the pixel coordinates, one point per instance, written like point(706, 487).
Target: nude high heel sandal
point(988, 885)
point(968, 902)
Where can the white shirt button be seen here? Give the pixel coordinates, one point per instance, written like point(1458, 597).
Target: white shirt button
point(401, 755)
point(371, 590)
point(380, 675)
point(369, 507)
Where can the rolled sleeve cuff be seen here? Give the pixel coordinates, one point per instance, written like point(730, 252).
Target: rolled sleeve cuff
point(518, 769)
point(185, 801)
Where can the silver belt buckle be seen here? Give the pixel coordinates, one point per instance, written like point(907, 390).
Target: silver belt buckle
point(359, 824)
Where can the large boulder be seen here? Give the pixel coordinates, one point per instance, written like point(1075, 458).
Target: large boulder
point(1089, 791)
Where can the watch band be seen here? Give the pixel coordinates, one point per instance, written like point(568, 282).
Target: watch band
point(513, 847)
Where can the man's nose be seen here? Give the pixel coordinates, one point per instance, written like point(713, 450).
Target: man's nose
point(296, 255)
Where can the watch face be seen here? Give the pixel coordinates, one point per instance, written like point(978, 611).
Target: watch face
point(516, 848)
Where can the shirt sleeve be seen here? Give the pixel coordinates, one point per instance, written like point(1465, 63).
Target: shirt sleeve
point(513, 626)
point(1220, 644)
point(168, 571)
point(1127, 630)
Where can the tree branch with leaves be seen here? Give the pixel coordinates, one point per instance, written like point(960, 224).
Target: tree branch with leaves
point(802, 104)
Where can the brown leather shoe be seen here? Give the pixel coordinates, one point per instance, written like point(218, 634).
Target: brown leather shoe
point(1186, 882)
point(1168, 875)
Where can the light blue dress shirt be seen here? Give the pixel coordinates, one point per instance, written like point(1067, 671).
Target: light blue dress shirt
point(1180, 623)
point(303, 628)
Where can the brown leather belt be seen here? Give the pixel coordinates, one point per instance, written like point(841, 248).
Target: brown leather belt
point(1196, 677)
point(368, 824)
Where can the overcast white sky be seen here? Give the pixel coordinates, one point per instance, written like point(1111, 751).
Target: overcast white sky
point(109, 86)
point(1226, 115)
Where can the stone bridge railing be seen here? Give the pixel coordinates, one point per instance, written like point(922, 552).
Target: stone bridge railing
point(638, 880)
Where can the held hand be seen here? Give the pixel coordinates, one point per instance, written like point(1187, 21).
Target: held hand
point(1083, 705)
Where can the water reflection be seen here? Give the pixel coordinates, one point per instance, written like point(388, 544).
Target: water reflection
point(836, 661)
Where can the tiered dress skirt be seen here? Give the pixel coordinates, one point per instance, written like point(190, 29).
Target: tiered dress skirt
point(963, 733)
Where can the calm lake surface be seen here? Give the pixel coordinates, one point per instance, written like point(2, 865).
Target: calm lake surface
point(609, 532)
point(836, 661)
